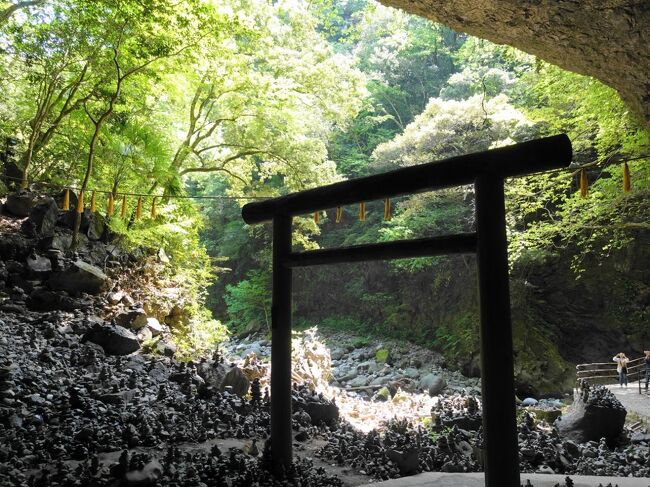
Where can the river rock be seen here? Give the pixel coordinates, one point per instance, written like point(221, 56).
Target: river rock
point(411, 372)
point(38, 265)
point(135, 319)
point(595, 413)
point(529, 401)
point(115, 297)
point(115, 340)
point(432, 383)
point(154, 326)
point(80, 277)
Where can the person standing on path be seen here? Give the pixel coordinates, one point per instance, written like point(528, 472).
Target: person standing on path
point(647, 368)
point(621, 367)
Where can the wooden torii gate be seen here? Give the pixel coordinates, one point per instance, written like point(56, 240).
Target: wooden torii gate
point(487, 171)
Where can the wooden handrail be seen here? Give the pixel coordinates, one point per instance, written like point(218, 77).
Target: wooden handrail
point(607, 363)
point(605, 370)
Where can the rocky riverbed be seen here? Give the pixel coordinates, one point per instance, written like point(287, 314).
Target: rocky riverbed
point(82, 404)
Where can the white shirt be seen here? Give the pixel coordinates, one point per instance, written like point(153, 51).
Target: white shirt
point(620, 363)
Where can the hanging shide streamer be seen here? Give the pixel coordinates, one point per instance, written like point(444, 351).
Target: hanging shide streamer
point(93, 203)
point(138, 209)
point(387, 213)
point(80, 202)
point(154, 214)
point(123, 211)
point(362, 212)
point(584, 183)
point(339, 214)
point(316, 217)
point(110, 209)
point(627, 186)
point(66, 200)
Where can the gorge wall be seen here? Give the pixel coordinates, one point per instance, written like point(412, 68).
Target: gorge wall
point(608, 40)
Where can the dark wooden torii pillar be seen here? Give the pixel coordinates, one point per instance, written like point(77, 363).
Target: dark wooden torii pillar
point(487, 171)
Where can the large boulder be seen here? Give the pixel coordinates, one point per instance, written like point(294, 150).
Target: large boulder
point(96, 227)
point(114, 339)
point(219, 376)
point(14, 246)
point(81, 277)
point(21, 202)
point(320, 411)
point(42, 218)
point(594, 414)
point(59, 241)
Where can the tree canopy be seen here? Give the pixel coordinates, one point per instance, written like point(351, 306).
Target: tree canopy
point(240, 99)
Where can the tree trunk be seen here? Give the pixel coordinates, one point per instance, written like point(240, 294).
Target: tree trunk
point(84, 184)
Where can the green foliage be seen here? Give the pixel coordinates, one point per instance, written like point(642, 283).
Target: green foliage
point(249, 302)
point(382, 355)
point(200, 336)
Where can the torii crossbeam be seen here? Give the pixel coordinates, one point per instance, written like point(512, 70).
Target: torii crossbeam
point(487, 171)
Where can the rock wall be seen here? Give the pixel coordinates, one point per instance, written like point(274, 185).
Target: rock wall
point(609, 40)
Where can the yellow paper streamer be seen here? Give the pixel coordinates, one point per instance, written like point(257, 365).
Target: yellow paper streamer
point(387, 213)
point(80, 203)
point(66, 200)
point(111, 205)
point(362, 211)
point(93, 203)
point(584, 183)
point(123, 211)
point(627, 185)
point(138, 209)
point(316, 217)
point(339, 214)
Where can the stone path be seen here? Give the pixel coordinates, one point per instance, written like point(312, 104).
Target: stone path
point(632, 400)
point(439, 479)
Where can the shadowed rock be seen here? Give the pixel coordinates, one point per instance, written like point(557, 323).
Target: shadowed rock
point(594, 414)
point(80, 277)
point(115, 340)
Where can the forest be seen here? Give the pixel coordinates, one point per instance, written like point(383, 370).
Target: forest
point(168, 116)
